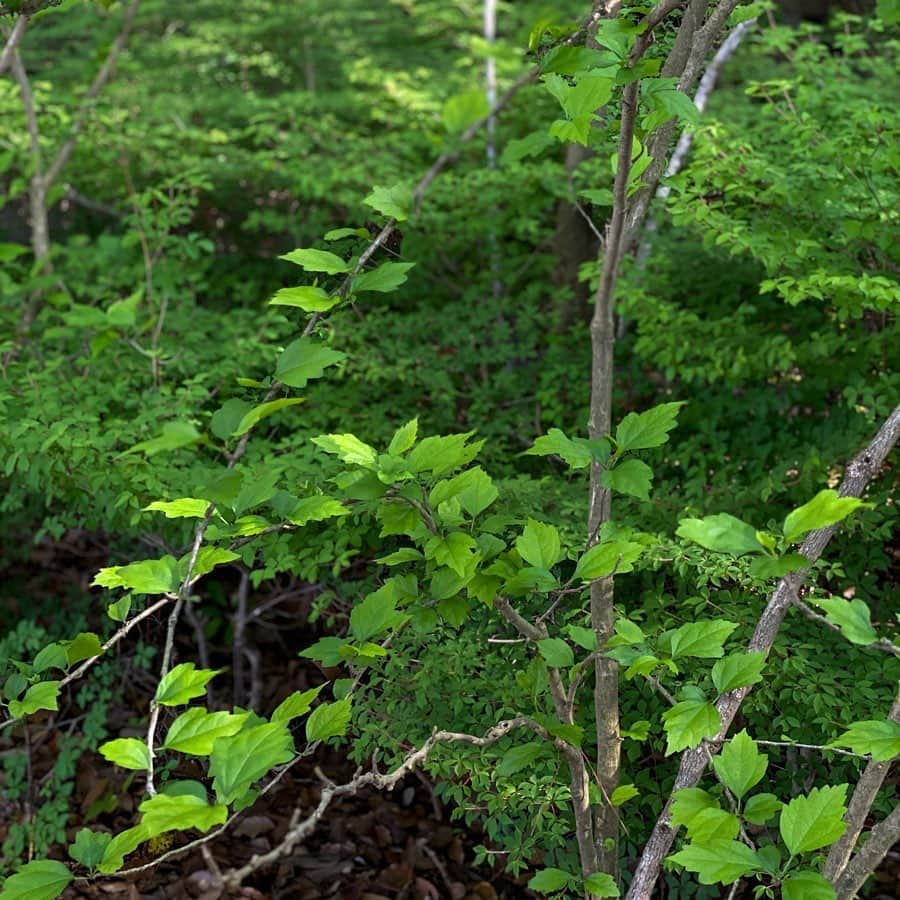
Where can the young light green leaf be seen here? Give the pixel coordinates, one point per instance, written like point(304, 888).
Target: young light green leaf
point(738, 670)
point(601, 884)
point(376, 614)
point(393, 202)
point(623, 793)
point(207, 559)
point(610, 556)
point(263, 411)
point(814, 821)
point(740, 765)
point(41, 879)
point(184, 508)
point(165, 812)
point(522, 756)
point(761, 808)
point(238, 761)
point(702, 640)
point(549, 880)
point(43, 695)
point(458, 551)
point(826, 508)
point(348, 448)
point(688, 803)
point(195, 730)
point(398, 557)
point(304, 360)
point(641, 431)
point(317, 261)
point(129, 753)
point(53, 656)
point(338, 234)
point(306, 297)
point(149, 576)
point(183, 683)
point(174, 436)
point(463, 109)
point(718, 862)
point(555, 443)
point(123, 313)
point(807, 885)
point(329, 720)
point(317, 509)
point(85, 645)
point(853, 617)
point(442, 454)
point(722, 533)
point(631, 477)
point(777, 567)
point(880, 738)
point(713, 825)
point(687, 724)
point(584, 637)
point(89, 847)
point(386, 278)
point(295, 705)
point(556, 652)
point(404, 437)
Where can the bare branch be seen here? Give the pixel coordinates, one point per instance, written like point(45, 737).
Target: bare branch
point(12, 41)
point(881, 838)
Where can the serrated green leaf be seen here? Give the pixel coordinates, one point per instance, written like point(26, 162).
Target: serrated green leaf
point(317, 509)
point(386, 278)
point(121, 845)
point(623, 793)
point(463, 109)
point(777, 567)
point(641, 431)
point(317, 261)
point(880, 738)
point(295, 705)
point(174, 436)
point(43, 695)
point(376, 614)
point(688, 723)
point(129, 753)
point(688, 803)
point(549, 880)
point(740, 765)
point(348, 448)
point(521, 757)
point(326, 650)
point(631, 477)
point(149, 576)
point(722, 533)
point(761, 808)
point(183, 683)
point(738, 670)
point(457, 551)
point(814, 821)
point(123, 313)
point(164, 813)
point(306, 297)
point(605, 558)
point(41, 879)
point(183, 508)
point(718, 862)
point(807, 885)
point(441, 454)
point(555, 443)
point(89, 847)
point(556, 652)
point(826, 508)
point(702, 640)
point(195, 730)
point(584, 637)
point(207, 559)
point(404, 437)
point(393, 202)
point(85, 645)
point(853, 617)
point(329, 720)
point(304, 360)
point(601, 884)
point(238, 761)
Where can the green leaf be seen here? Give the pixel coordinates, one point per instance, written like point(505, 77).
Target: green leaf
point(641, 431)
point(702, 640)
point(89, 847)
point(306, 297)
point(264, 410)
point(53, 656)
point(295, 705)
point(123, 313)
point(404, 437)
point(584, 637)
point(41, 879)
point(807, 885)
point(826, 508)
point(348, 448)
point(195, 730)
point(338, 234)
point(326, 650)
point(398, 557)
point(85, 645)
point(539, 545)
point(530, 145)
point(600, 884)
point(42, 695)
point(376, 614)
point(623, 793)
point(457, 551)
point(522, 756)
point(386, 278)
point(589, 94)
point(226, 419)
point(9, 252)
point(722, 533)
point(304, 360)
point(688, 803)
point(329, 720)
point(555, 443)
point(129, 753)
point(464, 109)
point(238, 761)
point(608, 557)
point(778, 567)
point(740, 765)
point(317, 261)
point(393, 202)
point(149, 576)
point(713, 825)
point(556, 652)
point(761, 808)
point(738, 670)
point(718, 862)
point(631, 477)
point(853, 617)
point(183, 683)
point(687, 724)
point(317, 509)
point(121, 845)
point(880, 738)
point(118, 611)
point(442, 454)
point(174, 436)
point(164, 813)
point(207, 559)
point(549, 880)
point(184, 508)
point(814, 821)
